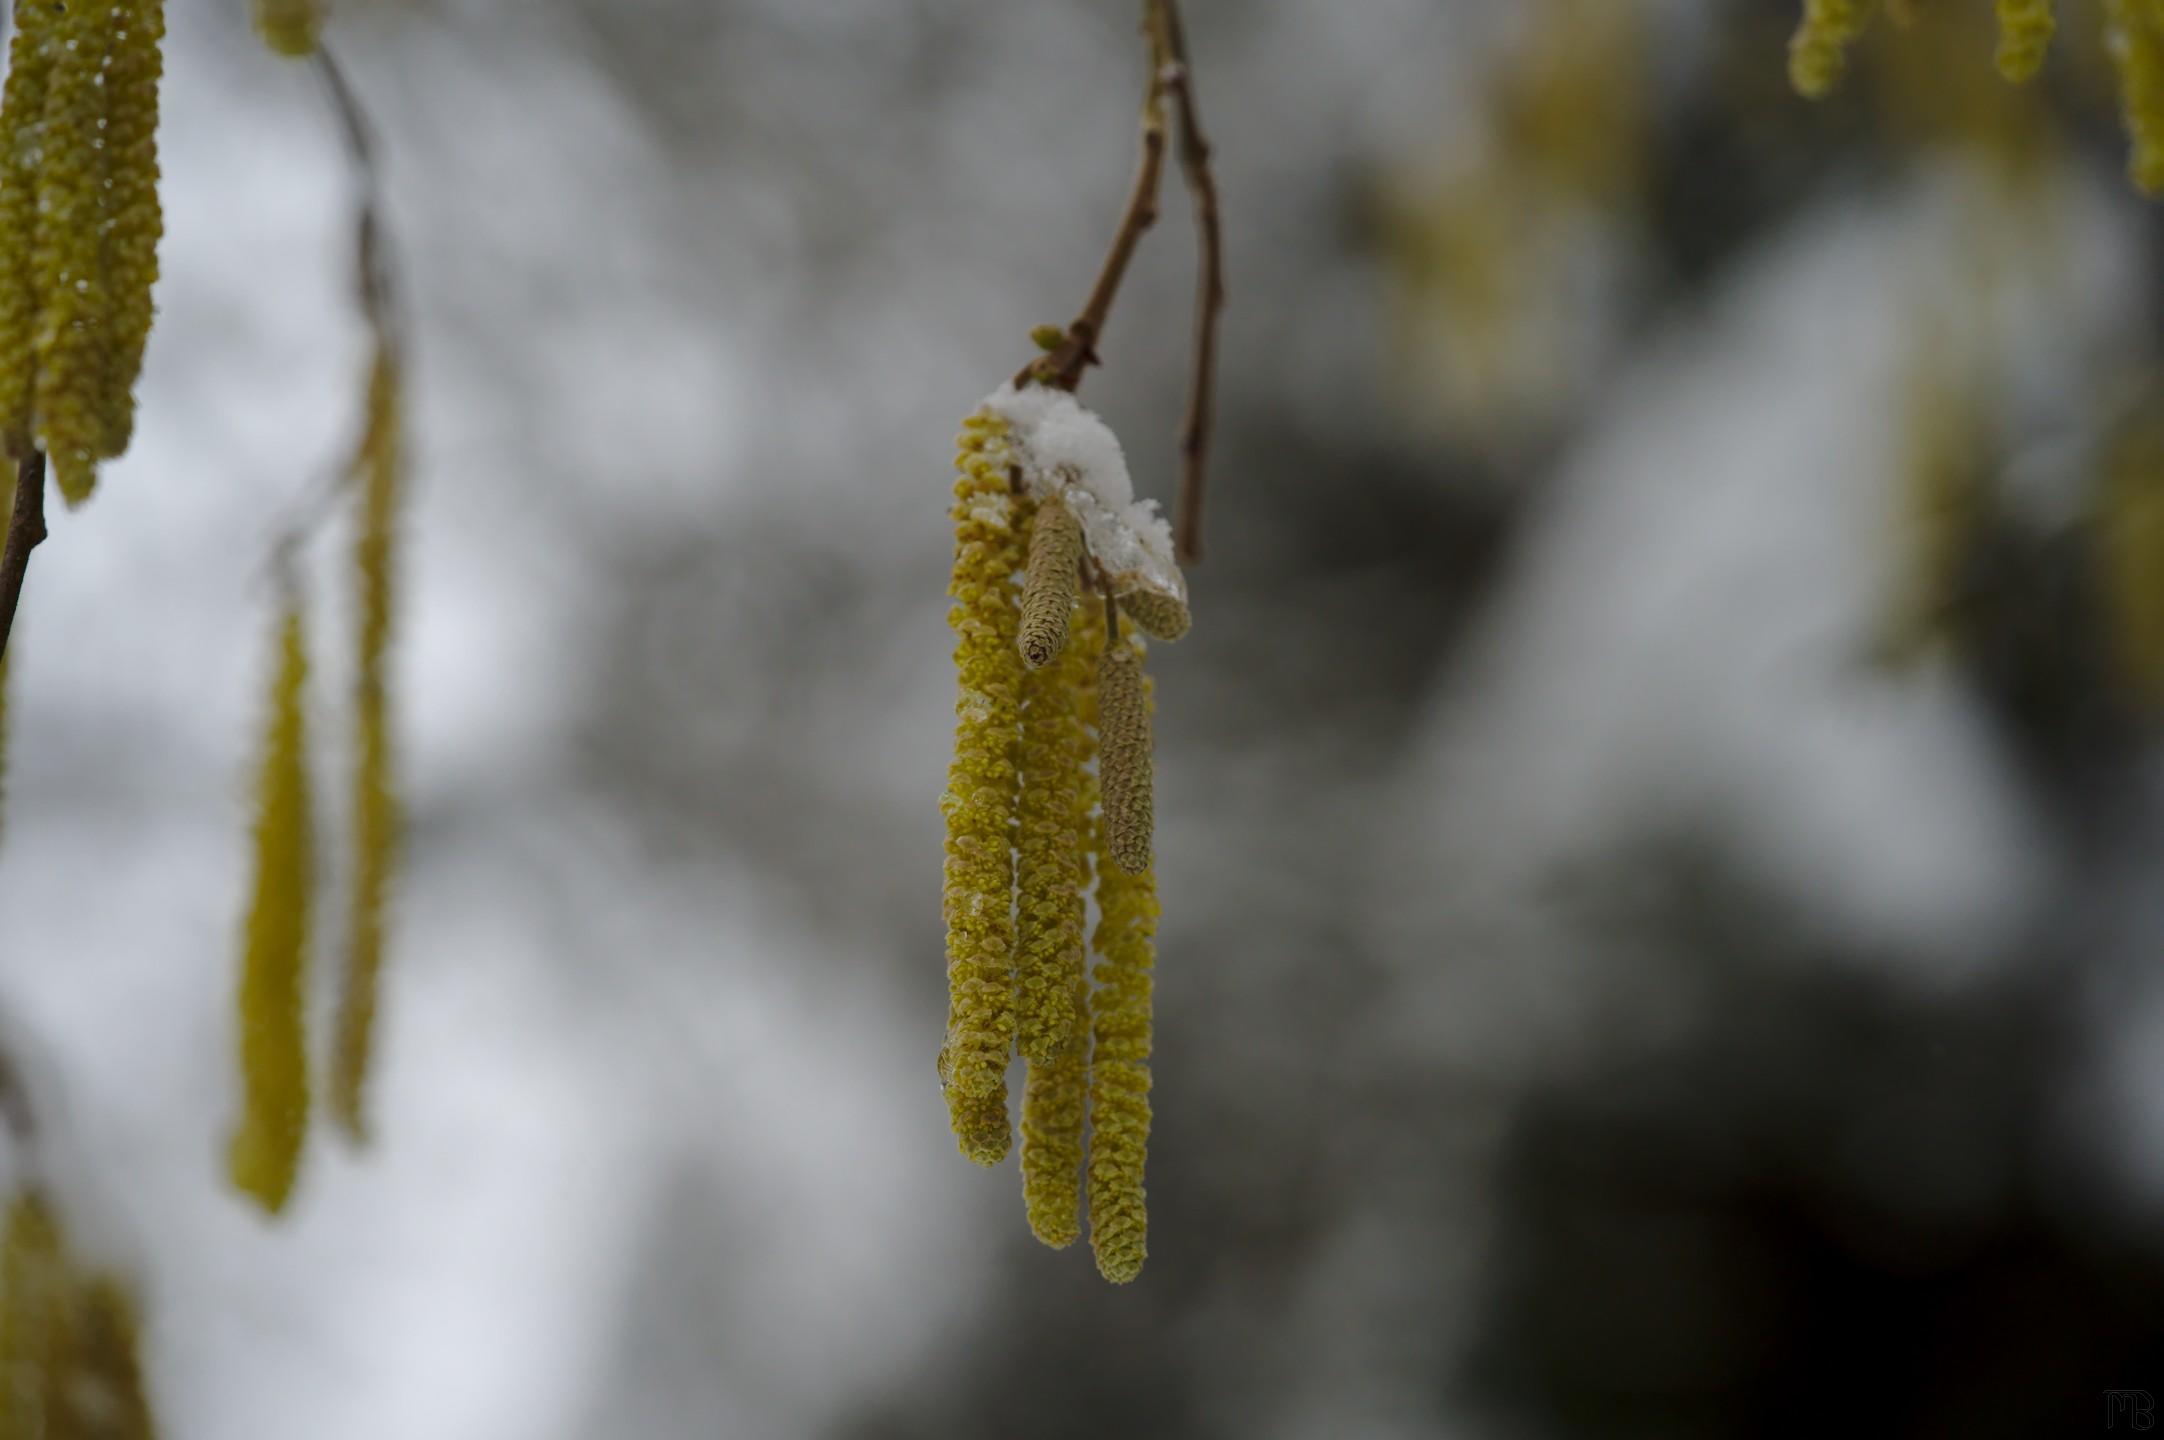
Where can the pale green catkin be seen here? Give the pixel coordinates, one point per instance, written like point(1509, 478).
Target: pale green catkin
point(1048, 588)
point(1161, 617)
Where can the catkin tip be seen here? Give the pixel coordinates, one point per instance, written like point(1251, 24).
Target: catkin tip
point(1818, 52)
point(1048, 589)
point(2025, 31)
point(1161, 617)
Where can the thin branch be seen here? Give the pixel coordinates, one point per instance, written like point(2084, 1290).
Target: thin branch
point(1077, 348)
point(1177, 78)
point(26, 530)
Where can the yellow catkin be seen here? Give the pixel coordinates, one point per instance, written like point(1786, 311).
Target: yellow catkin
point(135, 222)
point(266, 1147)
point(1161, 617)
point(375, 797)
point(1055, 1096)
point(1048, 852)
point(104, 1397)
point(982, 792)
point(1048, 590)
point(2137, 53)
point(22, 123)
point(73, 342)
point(34, 1319)
point(2130, 539)
point(1818, 52)
point(290, 27)
point(1125, 766)
point(1119, 1074)
point(2025, 31)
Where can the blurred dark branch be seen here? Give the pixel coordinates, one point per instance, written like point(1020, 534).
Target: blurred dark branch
point(1177, 78)
point(26, 529)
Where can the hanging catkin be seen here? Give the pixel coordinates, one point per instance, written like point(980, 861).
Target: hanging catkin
point(1055, 553)
point(105, 1395)
point(1048, 846)
point(375, 797)
point(1119, 1065)
point(981, 795)
point(1161, 617)
point(2025, 30)
point(22, 119)
point(1818, 52)
point(1125, 766)
point(290, 27)
point(1054, 1097)
point(266, 1147)
point(33, 1319)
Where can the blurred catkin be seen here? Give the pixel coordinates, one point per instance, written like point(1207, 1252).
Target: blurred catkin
point(266, 1147)
point(982, 792)
point(1048, 850)
point(1818, 52)
point(105, 1398)
point(1119, 1064)
point(2137, 53)
point(1054, 1097)
point(375, 797)
point(290, 27)
point(2130, 538)
point(2025, 31)
point(1048, 589)
point(22, 123)
point(1125, 766)
point(1945, 506)
point(33, 1319)
point(1161, 617)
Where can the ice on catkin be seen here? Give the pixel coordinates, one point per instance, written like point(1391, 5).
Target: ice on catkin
point(265, 1153)
point(1125, 773)
point(1054, 1097)
point(1818, 52)
point(1048, 588)
point(375, 795)
point(2025, 31)
point(1161, 617)
point(290, 27)
point(1119, 1064)
point(982, 791)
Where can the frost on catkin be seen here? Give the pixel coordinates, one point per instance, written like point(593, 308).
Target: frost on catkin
point(2137, 53)
point(981, 795)
point(375, 796)
point(1818, 52)
point(1124, 766)
point(266, 1147)
point(1055, 1095)
point(290, 27)
point(2025, 30)
point(1048, 590)
point(1161, 617)
point(1048, 852)
point(1119, 1065)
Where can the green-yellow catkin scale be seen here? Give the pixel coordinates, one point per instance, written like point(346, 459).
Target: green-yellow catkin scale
point(1048, 589)
point(1161, 617)
point(982, 791)
point(1818, 52)
point(1125, 773)
point(22, 123)
point(1055, 1096)
point(2130, 537)
point(266, 1148)
point(1048, 852)
point(2025, 31)
point(290, 27)
point(375, 797)
point(33, 1319)
point(1119, 1073)
point(104, 1397)
point(2137, 53)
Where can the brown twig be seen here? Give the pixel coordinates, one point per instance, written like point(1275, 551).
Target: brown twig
point(1076, 350)
point(1177, 79)
point(26, 529)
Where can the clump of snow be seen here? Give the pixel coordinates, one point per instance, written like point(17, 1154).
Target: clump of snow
point(1067, 453)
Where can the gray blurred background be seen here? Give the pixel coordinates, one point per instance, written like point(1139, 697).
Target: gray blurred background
point(1629, 968)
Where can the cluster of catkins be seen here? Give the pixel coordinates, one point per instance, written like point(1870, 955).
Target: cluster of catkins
point(2134, 30)
point(1051, 679)
point(69, 1366)
point(79, 228)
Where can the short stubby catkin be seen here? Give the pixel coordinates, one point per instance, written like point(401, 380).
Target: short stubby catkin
point(1119, 1073)
point(1125, 767)
point(982, 790)
point(265, 1154)
point(2025, 31)
point(1159, 616)
point(2137, 53)
point(1818, 52)
point(290, 27)
point(1048, 590)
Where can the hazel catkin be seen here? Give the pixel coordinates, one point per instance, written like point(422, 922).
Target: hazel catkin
point(1048, 589)
point(1125, 766)
point(1818, 52)
point(1159, 616)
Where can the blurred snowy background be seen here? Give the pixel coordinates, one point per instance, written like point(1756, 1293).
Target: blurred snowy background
point(1627, 970)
